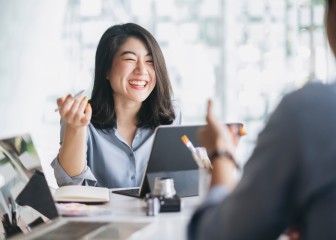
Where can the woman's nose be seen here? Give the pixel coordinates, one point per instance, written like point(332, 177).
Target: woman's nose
point(140, 68)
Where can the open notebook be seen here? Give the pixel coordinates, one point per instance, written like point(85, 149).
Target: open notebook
point(20, 169)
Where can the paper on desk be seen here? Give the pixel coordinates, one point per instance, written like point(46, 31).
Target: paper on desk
point(78, 209)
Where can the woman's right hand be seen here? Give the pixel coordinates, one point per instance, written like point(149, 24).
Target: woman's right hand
point(75, 111)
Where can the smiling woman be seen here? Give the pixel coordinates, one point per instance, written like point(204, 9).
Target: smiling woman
point(106, 140)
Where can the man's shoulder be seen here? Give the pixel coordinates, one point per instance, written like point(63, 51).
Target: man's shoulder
point(313, 93)
point(318, 86)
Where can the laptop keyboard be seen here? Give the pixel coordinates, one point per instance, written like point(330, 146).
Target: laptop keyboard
point(72, 230)
point(133, 192)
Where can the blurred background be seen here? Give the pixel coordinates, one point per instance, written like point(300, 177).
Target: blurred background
point(243, 54)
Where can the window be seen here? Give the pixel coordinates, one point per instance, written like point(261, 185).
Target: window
point(244, 54)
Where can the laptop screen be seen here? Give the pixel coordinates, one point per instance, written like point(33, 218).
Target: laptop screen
point(171, 158)
point(18, 162)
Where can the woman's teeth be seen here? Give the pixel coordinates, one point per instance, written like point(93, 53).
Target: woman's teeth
point(138, 83)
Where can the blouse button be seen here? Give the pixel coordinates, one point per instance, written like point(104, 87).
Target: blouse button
point(132, 177)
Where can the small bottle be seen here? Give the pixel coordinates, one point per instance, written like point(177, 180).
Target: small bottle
point(153, 205)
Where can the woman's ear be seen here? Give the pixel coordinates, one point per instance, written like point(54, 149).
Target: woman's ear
point(107, 74)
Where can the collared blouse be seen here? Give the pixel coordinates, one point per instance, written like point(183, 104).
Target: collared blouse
point(111, 162)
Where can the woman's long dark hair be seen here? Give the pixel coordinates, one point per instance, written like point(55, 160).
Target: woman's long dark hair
point(157, 109)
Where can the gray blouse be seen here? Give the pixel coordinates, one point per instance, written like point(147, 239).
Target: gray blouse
point(110, 161)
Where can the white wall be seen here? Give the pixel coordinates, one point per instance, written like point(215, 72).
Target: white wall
point(31, 70)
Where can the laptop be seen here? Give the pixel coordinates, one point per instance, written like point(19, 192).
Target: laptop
point(20, 168)
point(169, 157)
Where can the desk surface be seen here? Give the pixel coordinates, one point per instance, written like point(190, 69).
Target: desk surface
point(163, 226)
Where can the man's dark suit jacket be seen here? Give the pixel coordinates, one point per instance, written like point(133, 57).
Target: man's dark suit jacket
point(290, 179)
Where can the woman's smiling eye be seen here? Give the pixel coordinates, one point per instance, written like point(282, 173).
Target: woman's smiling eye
point(149, 59)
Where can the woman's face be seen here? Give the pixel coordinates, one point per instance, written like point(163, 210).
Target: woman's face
point(132, 75)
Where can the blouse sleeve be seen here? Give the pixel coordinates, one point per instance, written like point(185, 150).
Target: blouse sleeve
point(86, 177)
point(178, 114)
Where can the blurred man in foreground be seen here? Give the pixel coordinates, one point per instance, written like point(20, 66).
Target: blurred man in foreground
point(290, 179)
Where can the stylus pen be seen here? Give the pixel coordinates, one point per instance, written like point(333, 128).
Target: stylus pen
point(192, 149)
point(76, 96)
point(188, 143)
point(14, 220)
point(12, 209)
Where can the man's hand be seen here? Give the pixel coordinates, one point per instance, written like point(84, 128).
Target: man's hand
point(217, 136)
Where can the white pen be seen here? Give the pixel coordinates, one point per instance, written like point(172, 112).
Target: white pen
point(199, 154)
point(188, 143)
point(76, 96)
point(192, 149)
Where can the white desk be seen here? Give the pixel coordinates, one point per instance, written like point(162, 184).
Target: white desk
point(164, 226)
